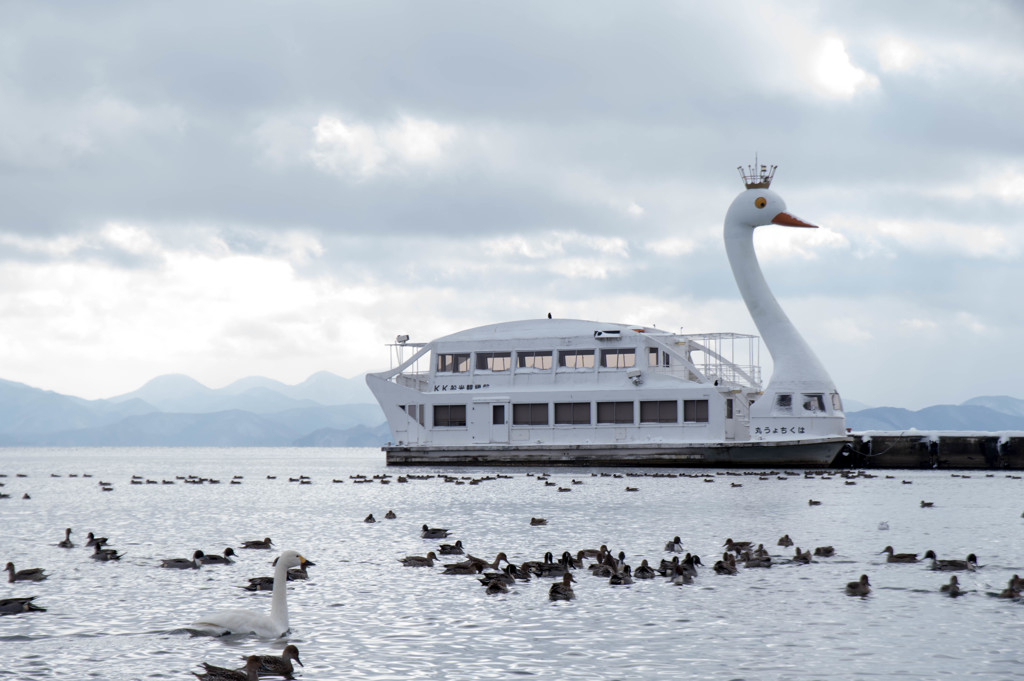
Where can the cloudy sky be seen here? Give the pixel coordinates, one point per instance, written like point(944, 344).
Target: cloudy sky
point(276, 188)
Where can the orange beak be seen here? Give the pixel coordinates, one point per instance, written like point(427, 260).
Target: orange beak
point(787, 220)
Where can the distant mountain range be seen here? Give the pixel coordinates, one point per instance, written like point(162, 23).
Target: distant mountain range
point(978, 413)
point(175, 410)
point(325, 410)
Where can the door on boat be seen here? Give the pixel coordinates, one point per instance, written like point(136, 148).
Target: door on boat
point(490, 421)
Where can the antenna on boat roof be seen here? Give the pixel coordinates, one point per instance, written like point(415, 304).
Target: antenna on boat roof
point(757, 176)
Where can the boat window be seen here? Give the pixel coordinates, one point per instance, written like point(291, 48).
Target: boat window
point(615, 412)
point(453, 363)
point(449, 415)
point(652, 357)
point(837, 402)
point(814, 403)
point(576, 359)
point(534, 360)
point(618, 359)
point(783, 404)
point(728, 408)
point(572, 413)
point(659, 411)
point(493, 361)
point(695, 411)
point(498, 414)
point(415, 412)
point(530, 414)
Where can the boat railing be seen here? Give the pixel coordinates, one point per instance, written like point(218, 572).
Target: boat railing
point(729, 358)
point(417, 380)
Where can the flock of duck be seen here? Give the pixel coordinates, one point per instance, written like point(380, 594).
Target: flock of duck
point(497, 576)
point(289, 565)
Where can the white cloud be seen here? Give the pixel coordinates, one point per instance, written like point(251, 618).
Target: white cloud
point(36, 134)
point(975, 241)
point(672, 247)
point(780, 243)
point(895, 55)
point(366, 151)
point(835, 74)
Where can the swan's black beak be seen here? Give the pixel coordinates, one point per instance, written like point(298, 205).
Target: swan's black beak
point(787, 220)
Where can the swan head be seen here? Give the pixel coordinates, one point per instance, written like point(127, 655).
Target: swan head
point(757, 207)
point(290, 559)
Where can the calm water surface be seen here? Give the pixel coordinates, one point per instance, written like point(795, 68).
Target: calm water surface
point(362, 615)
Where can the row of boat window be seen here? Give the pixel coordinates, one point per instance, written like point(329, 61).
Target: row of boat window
point(614, 358)
point(571, 413)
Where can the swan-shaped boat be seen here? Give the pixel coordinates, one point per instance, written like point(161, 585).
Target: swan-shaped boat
point(582, 392)
point(273, 625)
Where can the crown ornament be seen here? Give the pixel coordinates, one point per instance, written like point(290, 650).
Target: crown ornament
point(757, 176)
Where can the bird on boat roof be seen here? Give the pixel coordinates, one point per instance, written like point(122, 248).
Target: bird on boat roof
point(26, 575)
point(861, 587)
point(899, 557)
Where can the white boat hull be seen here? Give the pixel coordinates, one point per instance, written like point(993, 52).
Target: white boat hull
point(805, 453)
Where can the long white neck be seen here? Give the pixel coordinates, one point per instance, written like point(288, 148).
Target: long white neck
point(279, 600)
point(795, 364)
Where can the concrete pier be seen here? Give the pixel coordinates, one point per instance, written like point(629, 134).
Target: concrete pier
point(934, 449)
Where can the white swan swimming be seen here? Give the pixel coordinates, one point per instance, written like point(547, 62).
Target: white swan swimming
point(273, 625)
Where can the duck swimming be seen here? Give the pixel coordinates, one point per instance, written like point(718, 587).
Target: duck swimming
point(66, 542)
point(214, 559)
point(861, 587)
point(273, 625)
point(899, 557)
point(214, 673)
point(419, 561)
point(26, 575)
point(13, 606)
point(970, 563)
point(279, 665)
point(184, 563)
point(102, 554)
point(264, 543)
point(433, 532)
point(562, 591)
point(953, 588)
point(452, 549)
